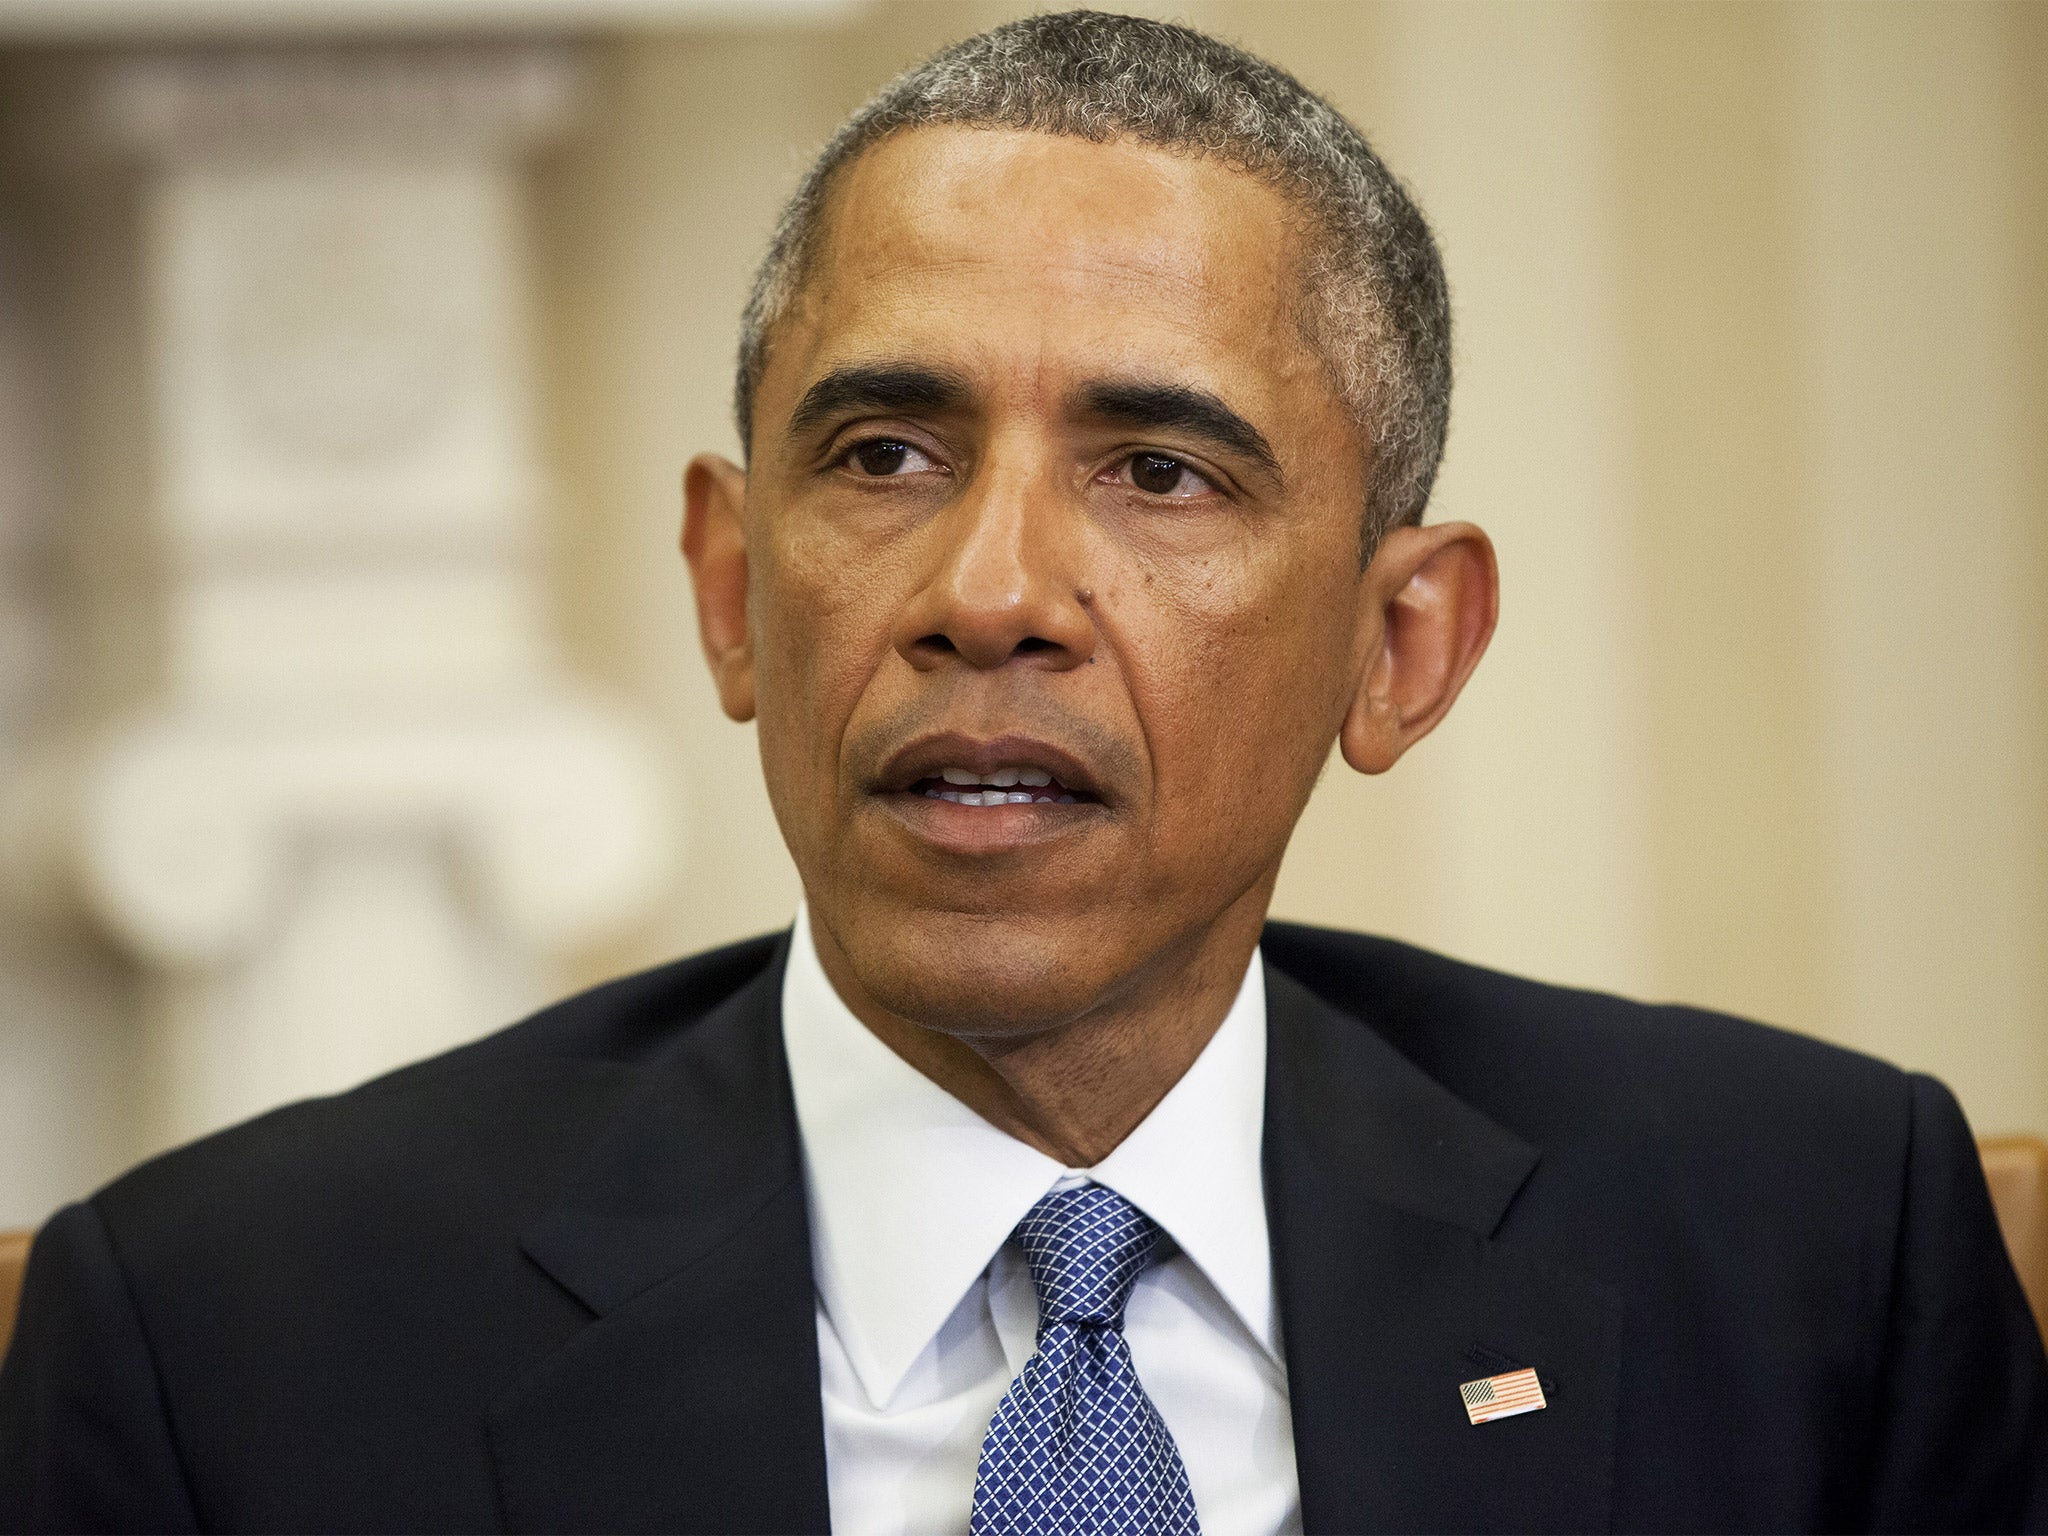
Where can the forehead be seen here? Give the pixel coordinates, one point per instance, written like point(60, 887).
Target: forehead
point(987, 248)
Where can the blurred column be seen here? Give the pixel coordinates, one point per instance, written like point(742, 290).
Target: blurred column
point(363, 811)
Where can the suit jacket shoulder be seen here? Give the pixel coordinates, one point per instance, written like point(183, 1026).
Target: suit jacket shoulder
point(521, 1103)
point(1493, 1038)
point(303, 1322)
point(1804, 1268)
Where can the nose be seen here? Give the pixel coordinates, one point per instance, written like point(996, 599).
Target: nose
point(1002, 587)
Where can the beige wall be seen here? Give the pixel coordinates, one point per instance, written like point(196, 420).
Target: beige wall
point(1751, 395)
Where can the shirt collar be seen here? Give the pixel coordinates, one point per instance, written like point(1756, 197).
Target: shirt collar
point(912, 1193)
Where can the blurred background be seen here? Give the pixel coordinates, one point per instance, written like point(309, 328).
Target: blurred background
point(350, 350)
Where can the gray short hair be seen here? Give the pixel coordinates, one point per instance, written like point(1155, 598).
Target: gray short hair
point(1374, 304)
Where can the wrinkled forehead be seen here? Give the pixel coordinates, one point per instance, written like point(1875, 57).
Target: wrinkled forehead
point(985, 249)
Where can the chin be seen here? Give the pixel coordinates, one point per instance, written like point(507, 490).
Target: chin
point(973, 974)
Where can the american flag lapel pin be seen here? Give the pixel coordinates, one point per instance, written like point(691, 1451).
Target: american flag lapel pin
point(1502, 1397)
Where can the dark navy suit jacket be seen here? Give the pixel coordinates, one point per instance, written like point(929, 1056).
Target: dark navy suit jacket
point(561, 1280)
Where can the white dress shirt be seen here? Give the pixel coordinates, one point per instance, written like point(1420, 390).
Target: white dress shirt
point(926, 1311)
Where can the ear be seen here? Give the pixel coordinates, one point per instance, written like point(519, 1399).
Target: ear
point(1432, 598)
point(715, 546)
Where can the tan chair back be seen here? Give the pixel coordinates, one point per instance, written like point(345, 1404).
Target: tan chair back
point(2016, 1167)
point(13, 1263)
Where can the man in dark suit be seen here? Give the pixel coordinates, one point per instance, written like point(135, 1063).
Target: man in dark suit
point(1092, 392)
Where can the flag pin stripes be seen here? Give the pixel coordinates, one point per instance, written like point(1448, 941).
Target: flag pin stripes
point(1502, 1397)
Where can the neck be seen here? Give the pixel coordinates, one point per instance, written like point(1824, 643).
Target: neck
point(1075, 1088)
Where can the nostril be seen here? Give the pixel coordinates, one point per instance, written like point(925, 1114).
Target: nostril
point(982, 650)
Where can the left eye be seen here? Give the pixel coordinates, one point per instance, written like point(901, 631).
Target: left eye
point(884, 457)
point(1158, 475)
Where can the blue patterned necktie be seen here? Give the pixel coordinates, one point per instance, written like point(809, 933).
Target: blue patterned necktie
point(1076, 1446)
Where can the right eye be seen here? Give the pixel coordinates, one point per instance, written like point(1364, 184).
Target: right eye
point(882, 458)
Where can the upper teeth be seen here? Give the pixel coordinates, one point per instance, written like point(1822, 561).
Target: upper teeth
point(1002, 778)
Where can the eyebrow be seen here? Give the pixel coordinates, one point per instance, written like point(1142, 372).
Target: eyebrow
point(887, 388)
point(1179, 408)
point(906, 388)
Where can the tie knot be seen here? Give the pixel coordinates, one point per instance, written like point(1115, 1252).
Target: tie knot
point(1086, 1248)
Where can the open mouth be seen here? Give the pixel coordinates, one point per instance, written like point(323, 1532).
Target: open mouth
point(986, 774)
point(1001, 786)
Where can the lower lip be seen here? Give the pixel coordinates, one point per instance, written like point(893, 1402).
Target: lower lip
point(988, 828)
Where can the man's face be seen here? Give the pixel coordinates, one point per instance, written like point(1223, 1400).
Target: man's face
point(1049, 494)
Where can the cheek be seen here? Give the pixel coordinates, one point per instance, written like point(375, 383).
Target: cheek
point(821, 609)
point(1244, 679)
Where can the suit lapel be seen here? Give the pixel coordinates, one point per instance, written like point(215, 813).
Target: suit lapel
point(690, 1403)
point(1384, 1193)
